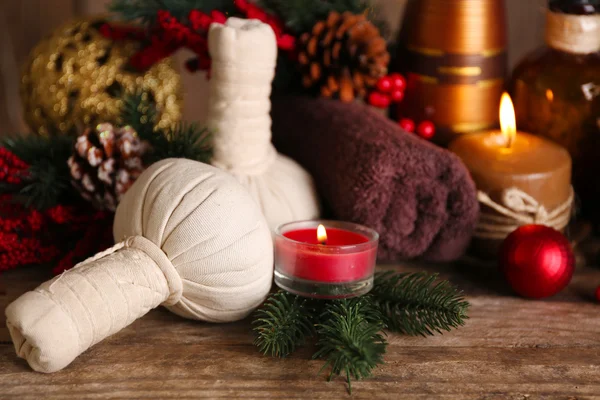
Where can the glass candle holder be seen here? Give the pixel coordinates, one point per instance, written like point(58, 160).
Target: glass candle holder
point(340, 266)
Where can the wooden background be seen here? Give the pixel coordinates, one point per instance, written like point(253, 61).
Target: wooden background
point(24, 22)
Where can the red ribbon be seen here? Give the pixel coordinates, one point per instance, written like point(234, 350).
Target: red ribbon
point(170, 35)
point(285, 42)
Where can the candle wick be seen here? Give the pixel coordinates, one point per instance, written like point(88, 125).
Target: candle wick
point(509, 141)
point(324, 242)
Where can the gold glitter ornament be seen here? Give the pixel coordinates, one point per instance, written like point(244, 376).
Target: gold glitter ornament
point(76, 78)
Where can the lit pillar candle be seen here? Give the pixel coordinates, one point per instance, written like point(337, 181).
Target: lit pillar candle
point(520, 178)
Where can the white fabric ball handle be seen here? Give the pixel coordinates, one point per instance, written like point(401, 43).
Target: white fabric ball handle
point(65, 316)
point(195, 242)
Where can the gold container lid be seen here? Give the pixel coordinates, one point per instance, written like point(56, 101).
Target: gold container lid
point(456, 26)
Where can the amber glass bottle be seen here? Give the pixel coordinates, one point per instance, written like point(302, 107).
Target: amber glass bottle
point(556, 91)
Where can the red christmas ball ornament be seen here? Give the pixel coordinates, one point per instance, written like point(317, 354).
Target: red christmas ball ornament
point(407, 124)
point(598, 294)
point(379, 100)
point(426, 129)
point(537, 261)
point(397, 96)
point(384, 84)
point(398, 81)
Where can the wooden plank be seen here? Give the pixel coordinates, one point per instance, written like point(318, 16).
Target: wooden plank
point(189, 371)
point(510, 348)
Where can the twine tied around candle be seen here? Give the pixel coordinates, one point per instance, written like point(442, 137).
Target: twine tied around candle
point(517, 208)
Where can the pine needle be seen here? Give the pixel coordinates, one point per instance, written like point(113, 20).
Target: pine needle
point(415, 304)
point(30, 148)
point(349, 331)
point(183, 141)
point(139, 111)
point(146, 10)
point(350, 338)
point(283, 323)
point(301, 15)
point(298, 15)
point(48, 179)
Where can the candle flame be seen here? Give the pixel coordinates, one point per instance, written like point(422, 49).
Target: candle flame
point(508, 121)
point(321, 234)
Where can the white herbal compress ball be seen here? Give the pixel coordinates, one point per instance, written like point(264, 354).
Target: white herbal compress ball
point(244, 56)
point(193, 240)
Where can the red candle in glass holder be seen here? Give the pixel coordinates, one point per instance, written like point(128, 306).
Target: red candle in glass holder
point(325, 258)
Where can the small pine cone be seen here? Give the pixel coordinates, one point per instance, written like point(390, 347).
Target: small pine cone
point(343, 56)
point(105, 163)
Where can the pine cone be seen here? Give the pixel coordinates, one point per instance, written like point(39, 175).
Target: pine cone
point(105, 163)
point(343, 55)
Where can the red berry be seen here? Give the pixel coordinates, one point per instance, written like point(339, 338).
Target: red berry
point(407, 124)
point(385, 101)
point(398, 81)
point(384, 84)
point(426, 129)
point(379, 100)
point(397, 96)
point(374, 98)
point(598, 293)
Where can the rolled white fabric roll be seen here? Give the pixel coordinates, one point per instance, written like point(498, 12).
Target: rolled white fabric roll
point(244, 56)
point(193, 240)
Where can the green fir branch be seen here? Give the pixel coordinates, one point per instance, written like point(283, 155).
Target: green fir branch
point(47, 181)
point(349, 331)
point(349, 338)
point(418, 304)
point(301, 15)
point(47, 184)
point(282, 324)
point(183, 141)
point(139, 111)
point(298, 15)
point(31, 148)
point(146, 10)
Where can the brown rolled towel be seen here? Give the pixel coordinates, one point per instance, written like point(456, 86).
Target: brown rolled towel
point(419, 197)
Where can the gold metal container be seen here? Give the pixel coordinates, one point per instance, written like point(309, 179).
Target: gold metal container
point(454, 55)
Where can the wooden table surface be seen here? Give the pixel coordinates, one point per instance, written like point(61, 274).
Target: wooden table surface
point(510, 348)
